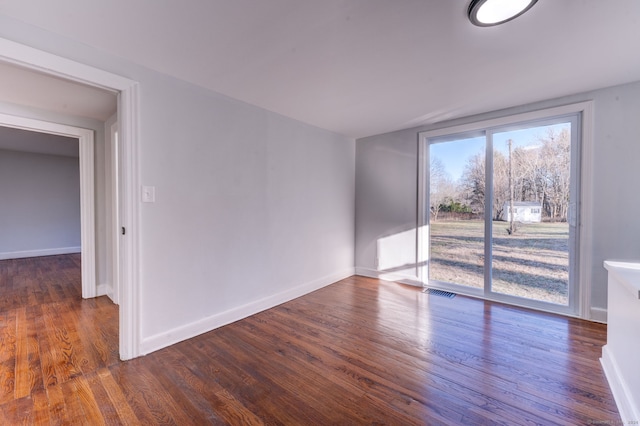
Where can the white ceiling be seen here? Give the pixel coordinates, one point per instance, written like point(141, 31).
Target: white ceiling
point(360, 67)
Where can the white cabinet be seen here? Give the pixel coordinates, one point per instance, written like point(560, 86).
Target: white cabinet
point(621, 355)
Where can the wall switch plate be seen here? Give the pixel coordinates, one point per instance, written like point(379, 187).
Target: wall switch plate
point(148, 194)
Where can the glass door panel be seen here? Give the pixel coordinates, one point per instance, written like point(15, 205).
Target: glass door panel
point(456, 211)
point(532, 196)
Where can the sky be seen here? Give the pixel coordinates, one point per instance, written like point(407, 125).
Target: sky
point(455, 154)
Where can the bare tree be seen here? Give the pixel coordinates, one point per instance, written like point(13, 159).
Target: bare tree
point(527, 166)
point(441, 187)
point(512, 216)
point(473, 183)
point(556, 156)
point(540, 172)
point(474, 186)
point(501, 193)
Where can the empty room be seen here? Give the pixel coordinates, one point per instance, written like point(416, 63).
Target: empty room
point(319, 212)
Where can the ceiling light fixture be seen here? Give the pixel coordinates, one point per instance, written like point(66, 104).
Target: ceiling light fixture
point(486, 13)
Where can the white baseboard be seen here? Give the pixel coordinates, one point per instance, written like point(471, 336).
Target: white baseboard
point(178, 334)
point(38, 253)
point(104, 289)
point(389, 276)
point(629, 412)
point(598, 315)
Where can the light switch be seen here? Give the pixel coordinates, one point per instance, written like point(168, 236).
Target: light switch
point(148, 194)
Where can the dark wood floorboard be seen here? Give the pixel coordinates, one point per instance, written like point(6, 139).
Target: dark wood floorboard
point(360, 351)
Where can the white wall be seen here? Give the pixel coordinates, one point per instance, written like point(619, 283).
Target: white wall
point(386, 176)
point(251, 208)
point(249, 205)
point(386, 204)
point(40, 209)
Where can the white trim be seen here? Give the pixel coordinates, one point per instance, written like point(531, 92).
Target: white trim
point(598, 315)
point(506, 120)
point(104, 289)
point(187, 331)
point(129, 279)
point(112, 216)
point(389, 276)
point(87, 188)
point(38, 253)
point(87, 209)
point(422, 219)
point(585, 236)
point(28, 57)
point(629, 413)
point(128, 117)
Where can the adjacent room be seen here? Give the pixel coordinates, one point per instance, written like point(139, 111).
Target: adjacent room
point(330, 212)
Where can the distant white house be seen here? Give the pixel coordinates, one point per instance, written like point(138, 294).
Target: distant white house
point(523, 211)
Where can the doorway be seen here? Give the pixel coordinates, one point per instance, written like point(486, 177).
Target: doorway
point(71, 72)
point(87, 188)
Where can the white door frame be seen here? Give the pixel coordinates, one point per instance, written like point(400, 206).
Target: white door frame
point(114, 210)
point(87, 198)
point(128, 118)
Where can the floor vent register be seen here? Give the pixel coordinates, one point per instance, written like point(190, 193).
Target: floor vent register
point(435, 292)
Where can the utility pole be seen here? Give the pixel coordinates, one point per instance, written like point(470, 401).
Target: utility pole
point(512, 228)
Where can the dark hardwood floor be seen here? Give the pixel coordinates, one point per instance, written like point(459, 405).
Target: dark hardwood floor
point(360, 351)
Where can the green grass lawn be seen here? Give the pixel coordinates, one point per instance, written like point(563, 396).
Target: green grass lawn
point(532, 263)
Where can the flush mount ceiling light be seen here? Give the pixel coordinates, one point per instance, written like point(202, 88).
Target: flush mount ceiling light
point(486, 13)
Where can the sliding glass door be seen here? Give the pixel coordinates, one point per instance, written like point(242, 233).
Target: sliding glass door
point(500, 209)
point(456, 224)
point(534, 193)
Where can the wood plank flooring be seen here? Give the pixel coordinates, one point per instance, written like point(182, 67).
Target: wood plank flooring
point(361, 351)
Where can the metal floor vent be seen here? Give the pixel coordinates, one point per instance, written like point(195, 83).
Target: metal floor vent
point(442, 293)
